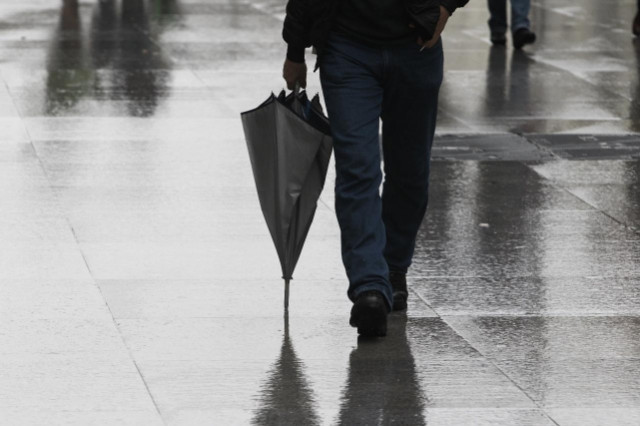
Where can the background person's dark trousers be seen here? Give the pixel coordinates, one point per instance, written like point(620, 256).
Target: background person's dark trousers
point(636, 21)
point(519, 15)
point(360, 85)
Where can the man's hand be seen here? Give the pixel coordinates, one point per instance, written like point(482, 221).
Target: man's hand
point(295, 72)
point(444, 16)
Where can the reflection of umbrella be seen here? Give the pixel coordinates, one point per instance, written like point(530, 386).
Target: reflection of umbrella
point(286, 397)
point(289, 145)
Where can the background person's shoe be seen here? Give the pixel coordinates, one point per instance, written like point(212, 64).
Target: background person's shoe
point(636, 25)
point(369, 314)
point(400, 293)
point(498, 38)
point(523, 36)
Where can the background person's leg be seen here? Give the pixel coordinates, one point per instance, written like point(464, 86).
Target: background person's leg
point(520, 24)
point(350, 76)
point(498, 19)
point(636, 22)
point(520, 14)
point(409, 119)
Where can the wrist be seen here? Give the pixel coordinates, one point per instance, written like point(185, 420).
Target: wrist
point(295, 53)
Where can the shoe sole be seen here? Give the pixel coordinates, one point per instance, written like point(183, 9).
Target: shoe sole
point(370, 322)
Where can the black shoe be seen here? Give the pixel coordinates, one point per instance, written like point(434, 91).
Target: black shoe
point(523, 36)
point(498, 38)
point(636, 25)
point(400, 293)
point(369, 314)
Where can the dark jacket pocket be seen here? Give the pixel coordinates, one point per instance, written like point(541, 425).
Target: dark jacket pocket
point(425, 15)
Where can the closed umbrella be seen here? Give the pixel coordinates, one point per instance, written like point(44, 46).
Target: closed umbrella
point(290, 146)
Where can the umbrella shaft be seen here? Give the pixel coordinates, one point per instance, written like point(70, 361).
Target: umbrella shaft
point(286, 293)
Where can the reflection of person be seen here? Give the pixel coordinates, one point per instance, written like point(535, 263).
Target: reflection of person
point(636, 21)
point(519, 22)
point(391, 396)
point(120, 42)
point(634, 106)
point(371, 68)
point(68, 75)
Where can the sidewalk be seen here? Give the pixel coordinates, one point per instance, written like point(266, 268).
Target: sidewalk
point(139, 284)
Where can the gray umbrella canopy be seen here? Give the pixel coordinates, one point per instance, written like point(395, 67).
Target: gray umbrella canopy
point(290, 147)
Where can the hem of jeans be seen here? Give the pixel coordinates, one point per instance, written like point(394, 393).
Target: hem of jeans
point(514, 30)
point(398, 270)
point(502, 30)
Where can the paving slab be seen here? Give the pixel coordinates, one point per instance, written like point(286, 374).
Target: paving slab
point(139, 284)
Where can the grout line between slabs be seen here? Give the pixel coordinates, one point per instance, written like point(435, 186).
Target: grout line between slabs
point(492, 363)
point(94, 281)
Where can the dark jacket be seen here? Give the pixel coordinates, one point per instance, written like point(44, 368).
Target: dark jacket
point(308, 22)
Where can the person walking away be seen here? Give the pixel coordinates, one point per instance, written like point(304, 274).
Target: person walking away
point(520, 25)
point(636, 22)
point(378, 59)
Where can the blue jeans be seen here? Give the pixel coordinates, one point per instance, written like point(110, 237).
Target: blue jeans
point(361, 85)
point(519, 15)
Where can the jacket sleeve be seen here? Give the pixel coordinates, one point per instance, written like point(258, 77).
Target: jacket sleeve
point(296, 29)
point(452, 5)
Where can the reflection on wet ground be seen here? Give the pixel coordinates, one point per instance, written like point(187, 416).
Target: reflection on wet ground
point(139, 284)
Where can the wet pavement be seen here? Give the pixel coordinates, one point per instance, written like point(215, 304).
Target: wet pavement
point(139, 284)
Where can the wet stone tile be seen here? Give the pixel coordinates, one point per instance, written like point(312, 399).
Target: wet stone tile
point(191, 260)
point(179, 225)
point(485, 147)
point(562, 257)
point(57, 382)
point(495, 186)
point(131, 129)
point(572, 296)
point(564, 361)
point(17, 153)
point(12, 130)
point(595, 416)
point(590, 146)
point(592, 225)
point(610, 186)
point(313, 369)
point(596, 172)
point(222, 299)
point(487, 417)
point(42, 259)
point(551, 338)
point(83, 418)
point(30, 300)
point(29, 226)
point(132, 109)
point(141, 153)
point(95, 338)
point(193, 180)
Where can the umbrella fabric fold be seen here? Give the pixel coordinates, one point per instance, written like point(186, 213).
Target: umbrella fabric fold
point(289, 146)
